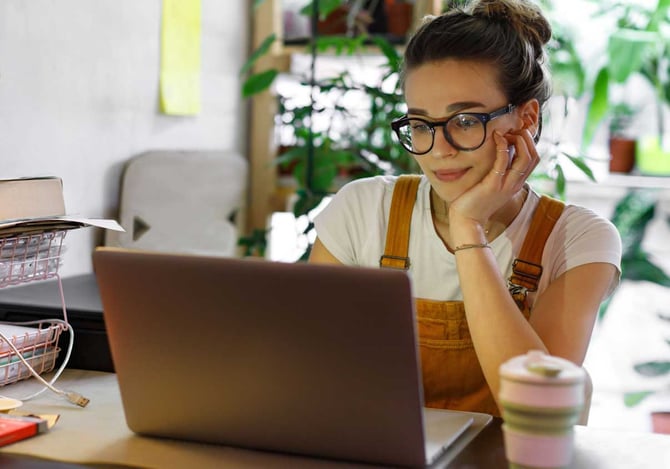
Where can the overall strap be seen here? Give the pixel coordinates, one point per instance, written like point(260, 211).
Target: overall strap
point(527, 267)
point(397, 232)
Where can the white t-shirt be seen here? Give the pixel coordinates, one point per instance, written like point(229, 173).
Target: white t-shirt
point(353, 228)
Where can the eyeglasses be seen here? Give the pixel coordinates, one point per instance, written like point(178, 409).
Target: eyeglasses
point(465, 131)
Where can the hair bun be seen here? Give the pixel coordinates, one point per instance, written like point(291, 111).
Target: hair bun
point(524, 16)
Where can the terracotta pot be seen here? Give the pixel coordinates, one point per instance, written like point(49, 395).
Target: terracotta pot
point(622, 154)
point(660, 422)
point(335, 22)
point(399, 17)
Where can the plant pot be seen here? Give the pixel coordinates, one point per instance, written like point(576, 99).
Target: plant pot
point(622, 154)
point(660, 422)
point(399, 17)
point(651, 158)
point(334, 23)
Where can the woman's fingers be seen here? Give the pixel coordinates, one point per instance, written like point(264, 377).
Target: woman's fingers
point(502, 161)
point(526, 157)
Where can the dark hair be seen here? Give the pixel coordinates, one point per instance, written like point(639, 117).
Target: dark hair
point(509, 34)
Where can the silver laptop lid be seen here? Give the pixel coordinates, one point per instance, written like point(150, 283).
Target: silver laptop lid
point(312, 359)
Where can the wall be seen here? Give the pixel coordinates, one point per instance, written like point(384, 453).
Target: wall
point(79, 96)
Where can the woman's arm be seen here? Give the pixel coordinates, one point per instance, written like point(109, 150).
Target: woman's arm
point(565, 313)
point(320, 254)
point(561, 322)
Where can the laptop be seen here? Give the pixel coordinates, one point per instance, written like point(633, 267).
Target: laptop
point(317, 360)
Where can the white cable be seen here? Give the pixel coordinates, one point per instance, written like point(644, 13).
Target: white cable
point(71, 396)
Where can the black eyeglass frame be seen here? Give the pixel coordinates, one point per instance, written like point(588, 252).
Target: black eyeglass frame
point(483, 117)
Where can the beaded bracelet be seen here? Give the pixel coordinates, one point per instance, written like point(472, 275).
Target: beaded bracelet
point(471, 246)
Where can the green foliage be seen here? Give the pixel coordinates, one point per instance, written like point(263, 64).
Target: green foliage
point(258, 82)
point(653, 368)
point(364, 143)
point(326, 7)
point(621, 115)
point(650, 369)
point(255, 244)
point(631, 399)
point(597, 107)
point(567, 70)
point(262, 50)
point(631, 217)
point(639, 46)
point(580, 162)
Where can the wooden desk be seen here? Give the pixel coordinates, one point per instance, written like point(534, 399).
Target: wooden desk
point(97, 436)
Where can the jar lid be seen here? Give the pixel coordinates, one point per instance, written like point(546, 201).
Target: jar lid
point(537, 366)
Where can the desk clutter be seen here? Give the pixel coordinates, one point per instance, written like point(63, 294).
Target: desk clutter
point(33, 226)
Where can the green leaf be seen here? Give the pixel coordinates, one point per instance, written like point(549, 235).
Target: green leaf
point(258, 53)
point(306, 202)
point(258, 82)
point(653, 368)
point(390, 52)
point(568, 74)
point(626, 50)
point(631, 399)
point(640, 268)
point(324, 169)
point(258, 3)
point(631, 216)
point(602, 311)
point(581, 164)
point(659, 15)
point(296, 153)
point(597, 107)
point(560, 182)
point(255, 244)
point(326, 7)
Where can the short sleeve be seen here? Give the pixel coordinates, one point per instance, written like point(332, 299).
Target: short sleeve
point(353, 219)
point(583, 237)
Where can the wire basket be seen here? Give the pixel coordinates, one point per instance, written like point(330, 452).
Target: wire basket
point(38, 346)
point(25, 258)
point(29, 257)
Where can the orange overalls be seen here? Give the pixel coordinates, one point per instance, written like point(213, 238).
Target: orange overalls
point(452, 376)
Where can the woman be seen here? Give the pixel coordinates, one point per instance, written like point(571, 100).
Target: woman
point(497, 270)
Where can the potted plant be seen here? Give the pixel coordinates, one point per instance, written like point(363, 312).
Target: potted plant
point(319, 156)
point(353, 17)
point(638, 48)
point(632, 216)
point(399, 14)
point(622, 144)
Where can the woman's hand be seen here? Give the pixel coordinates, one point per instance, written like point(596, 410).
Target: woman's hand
point(516, 157)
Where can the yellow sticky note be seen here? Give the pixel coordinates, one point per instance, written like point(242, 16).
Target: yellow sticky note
point(180, 58)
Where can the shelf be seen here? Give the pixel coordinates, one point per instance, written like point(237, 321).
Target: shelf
point(632, 181)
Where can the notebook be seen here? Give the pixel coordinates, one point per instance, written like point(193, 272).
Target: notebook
point(317, 360)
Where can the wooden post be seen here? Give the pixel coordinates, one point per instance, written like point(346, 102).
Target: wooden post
point(262, 148)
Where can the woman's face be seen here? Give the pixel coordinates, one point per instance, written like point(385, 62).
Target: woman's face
point(438, 90)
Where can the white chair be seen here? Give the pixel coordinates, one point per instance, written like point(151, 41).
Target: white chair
point(182, 201)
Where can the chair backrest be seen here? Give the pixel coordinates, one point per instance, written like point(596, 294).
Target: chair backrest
point(183, 202)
